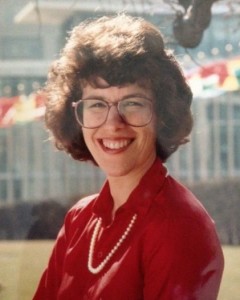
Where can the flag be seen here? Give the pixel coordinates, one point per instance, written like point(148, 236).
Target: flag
point(21, 109)
point(216, 77)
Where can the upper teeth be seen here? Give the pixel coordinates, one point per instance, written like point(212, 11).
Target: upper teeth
point(116, 144)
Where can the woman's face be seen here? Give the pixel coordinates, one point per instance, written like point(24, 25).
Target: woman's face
point(118, 148)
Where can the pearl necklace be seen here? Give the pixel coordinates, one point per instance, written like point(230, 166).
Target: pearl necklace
point(113, 250)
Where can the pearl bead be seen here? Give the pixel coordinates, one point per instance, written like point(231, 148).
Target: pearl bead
point(95, 270)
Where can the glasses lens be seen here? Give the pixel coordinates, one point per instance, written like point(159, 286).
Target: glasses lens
point(91, 113)
point(136, 111)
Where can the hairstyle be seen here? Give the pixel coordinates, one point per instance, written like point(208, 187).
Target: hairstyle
point(121, 49)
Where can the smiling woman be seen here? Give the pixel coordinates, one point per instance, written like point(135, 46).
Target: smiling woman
point(119, 148)
point(117, 98)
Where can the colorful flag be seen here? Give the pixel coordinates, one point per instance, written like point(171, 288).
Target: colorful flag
point(216, 77)
point(21, 109)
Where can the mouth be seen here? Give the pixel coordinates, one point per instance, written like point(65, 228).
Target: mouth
point(115, 145)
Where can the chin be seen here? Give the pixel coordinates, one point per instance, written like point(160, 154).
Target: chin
point(115, 172)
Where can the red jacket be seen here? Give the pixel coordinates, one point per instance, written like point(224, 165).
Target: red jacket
point(172, 251)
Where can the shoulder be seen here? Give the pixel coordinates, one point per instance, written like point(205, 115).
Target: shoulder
point(80, 211)
point(179, 221)
point(178, 202)
point(180, 243)
point(177, 213)
point(83, 202)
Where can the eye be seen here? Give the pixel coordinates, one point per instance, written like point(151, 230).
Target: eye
point(134, 103)
point(94, 104)
point(131, 102)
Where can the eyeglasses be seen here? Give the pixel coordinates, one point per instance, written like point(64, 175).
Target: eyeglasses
point(93, 113)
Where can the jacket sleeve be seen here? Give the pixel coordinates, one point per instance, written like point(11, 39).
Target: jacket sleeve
point(186, 264)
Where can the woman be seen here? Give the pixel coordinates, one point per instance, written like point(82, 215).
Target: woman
point(116, 97)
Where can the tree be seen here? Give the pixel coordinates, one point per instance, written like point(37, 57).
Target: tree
point(189, 26)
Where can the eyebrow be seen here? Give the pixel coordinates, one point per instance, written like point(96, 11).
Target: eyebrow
point(132, 95)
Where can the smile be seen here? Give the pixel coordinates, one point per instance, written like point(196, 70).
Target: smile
point(116, 144)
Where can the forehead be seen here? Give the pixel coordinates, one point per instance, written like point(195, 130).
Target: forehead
point(101, 88)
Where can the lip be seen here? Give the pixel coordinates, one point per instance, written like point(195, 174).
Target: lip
point(118, 145)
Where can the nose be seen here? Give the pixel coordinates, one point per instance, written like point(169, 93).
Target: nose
point(114, 119)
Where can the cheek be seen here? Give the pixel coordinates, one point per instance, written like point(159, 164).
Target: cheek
point(87, 137)
point(149, 137)
point(152, 128)
point(154, 133)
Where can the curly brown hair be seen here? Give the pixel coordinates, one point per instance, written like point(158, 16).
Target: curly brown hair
point(120, 49)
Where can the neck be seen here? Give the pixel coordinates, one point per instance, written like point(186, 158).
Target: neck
point(121, 187)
